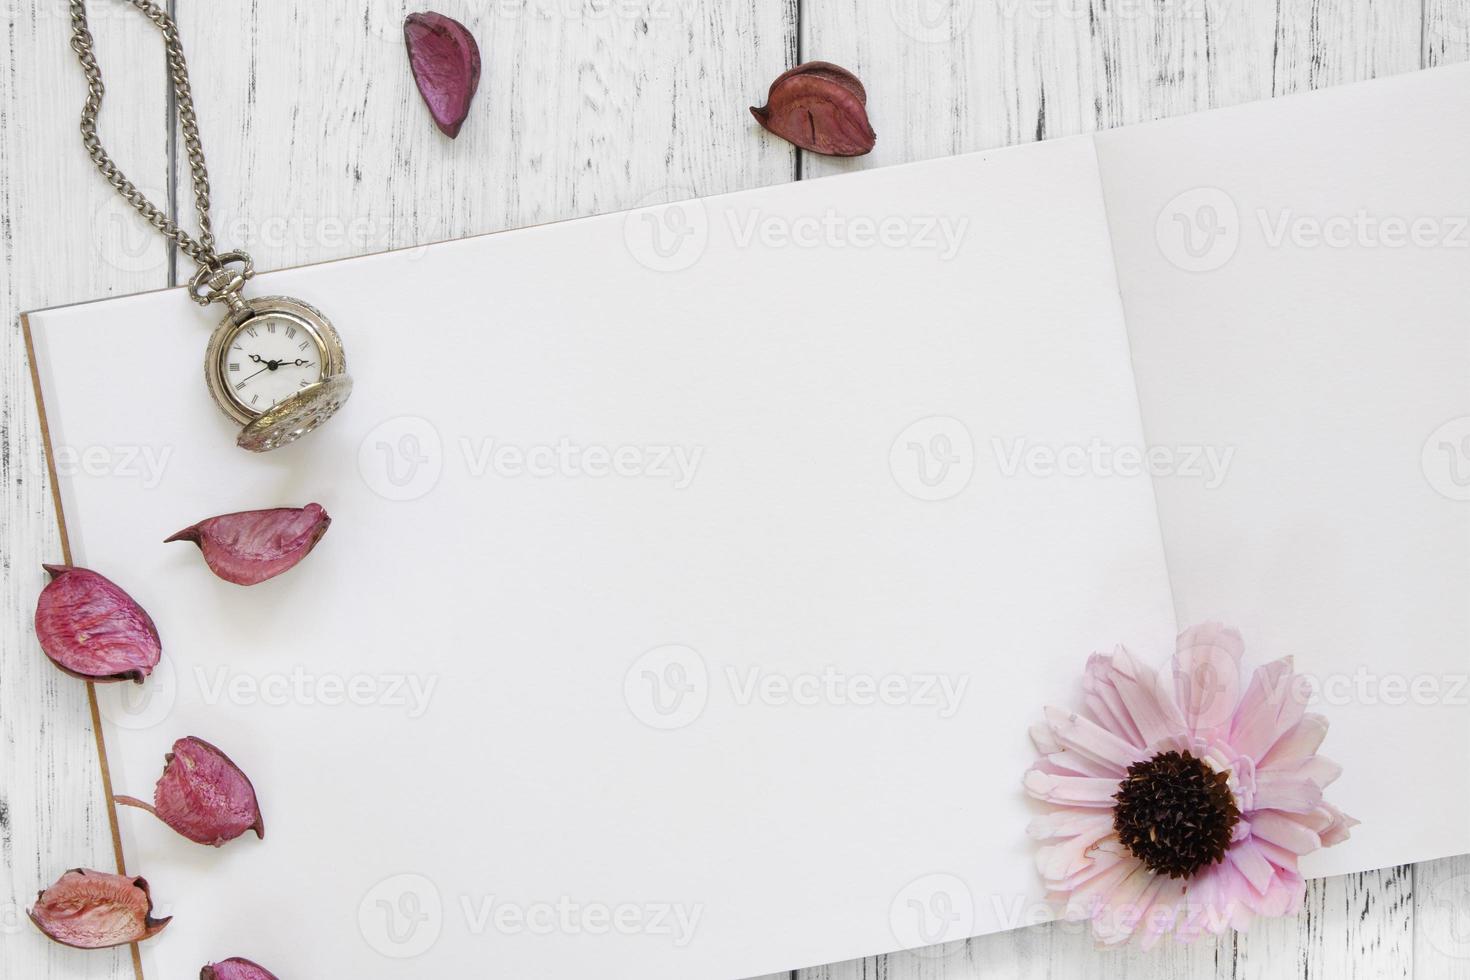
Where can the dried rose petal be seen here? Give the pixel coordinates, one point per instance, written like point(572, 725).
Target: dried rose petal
point(819, 107)
point(92, 629)
point(94, 910)
point(255, 545)
point(446, 65)
point(235, 968)
point(203, 795)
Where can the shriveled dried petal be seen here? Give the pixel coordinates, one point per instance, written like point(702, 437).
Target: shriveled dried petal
point(446, 66)
point(235, 968)
point(255, 545)
point(203, 795)
point(92, 629)
point(819, 107)
point(94, 910)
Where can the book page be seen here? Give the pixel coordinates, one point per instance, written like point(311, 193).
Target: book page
point(694, 577)
point(1294, 279)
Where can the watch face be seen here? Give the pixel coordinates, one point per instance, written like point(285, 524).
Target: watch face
point(269, 358)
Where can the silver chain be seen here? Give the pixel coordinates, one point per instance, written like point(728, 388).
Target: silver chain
point(200, 250)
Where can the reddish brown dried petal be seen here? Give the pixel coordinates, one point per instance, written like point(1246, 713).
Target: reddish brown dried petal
point(819, 107)
point(203, 795)
point(249, 547)
point(94, 910)
point(235, 968)
point(446, 66)
point(92, 629)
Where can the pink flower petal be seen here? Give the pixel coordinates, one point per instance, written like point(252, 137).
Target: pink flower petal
point(203, 795)
point(1071, 763)
point(1092, 740)
point(235, 968)
point(1320, 770)
point(1065, 822)
point(1104, 701)
point(1092, 892)
point(1206, 674)
point(94, 630)
point(1150, 704)
point(1297, 745)
point(1281, 830)
point(1067, 858)
point(255, 545)
point(1272, 707)
point(1073, 790)
point(445, 59)
point(1165, 915)
point(1281, 791)
point(95, 910)
point(1252, 865)
point(1338, 828)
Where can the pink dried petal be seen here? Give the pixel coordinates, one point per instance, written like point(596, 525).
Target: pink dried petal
point(235, 968)
point(446, 66)
point(92, 629)
point(255, 545)
point(820, 107)
point(203, 795)
point(94, 910)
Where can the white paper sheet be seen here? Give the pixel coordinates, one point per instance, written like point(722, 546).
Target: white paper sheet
point(845, 516)
point(848, 412)
point(1320, 342)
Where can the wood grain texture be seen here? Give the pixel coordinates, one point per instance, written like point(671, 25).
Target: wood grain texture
point(319, 147)
point(66, 237)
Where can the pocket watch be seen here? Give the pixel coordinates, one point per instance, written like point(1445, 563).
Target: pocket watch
point(274, 364)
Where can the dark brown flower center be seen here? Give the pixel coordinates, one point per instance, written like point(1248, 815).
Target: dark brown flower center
point(1175, 814)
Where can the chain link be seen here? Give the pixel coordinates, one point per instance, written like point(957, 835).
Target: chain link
point(201, 250)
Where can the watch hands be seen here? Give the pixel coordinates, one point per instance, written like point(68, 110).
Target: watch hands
point(273, 365)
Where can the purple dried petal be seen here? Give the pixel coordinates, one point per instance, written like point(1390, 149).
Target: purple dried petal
point(92, 629)
point(235, 968)
point(203, 795)
point(820, 107)
point(446, 66)
point(254, 545)
point(94, 910)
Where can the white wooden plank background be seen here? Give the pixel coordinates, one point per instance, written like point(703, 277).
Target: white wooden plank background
point(319, 148)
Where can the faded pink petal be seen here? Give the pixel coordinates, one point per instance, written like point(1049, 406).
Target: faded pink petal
point(1233, 768)
point(1272, 706)
point(446, 66)
point(1071, 790)
point(92, 629)
point(255, 545)
point(203, 795)
point(95, 910)
point(235, 968)
point(1206, 673)
point(1091, 740)
point(1297, 745)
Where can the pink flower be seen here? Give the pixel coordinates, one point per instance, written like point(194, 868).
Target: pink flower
point(1177, 803)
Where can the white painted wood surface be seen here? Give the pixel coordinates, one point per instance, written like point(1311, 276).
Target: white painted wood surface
point(320, 148)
